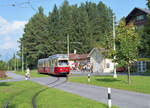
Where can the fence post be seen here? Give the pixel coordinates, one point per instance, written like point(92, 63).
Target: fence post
point(89, 77)
point(109, 98)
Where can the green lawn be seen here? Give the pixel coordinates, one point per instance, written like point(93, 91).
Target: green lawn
point(5, 78)
point(51, 98)
point(33, 73)
point(138, 83)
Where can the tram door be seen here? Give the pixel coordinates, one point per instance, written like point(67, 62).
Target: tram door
point(51, 66)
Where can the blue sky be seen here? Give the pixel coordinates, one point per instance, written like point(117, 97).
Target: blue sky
point(13, 18)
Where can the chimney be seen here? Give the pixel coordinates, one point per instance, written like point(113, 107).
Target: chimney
point(75, 51)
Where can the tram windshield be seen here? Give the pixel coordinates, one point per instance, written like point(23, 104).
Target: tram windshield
point(63, 62)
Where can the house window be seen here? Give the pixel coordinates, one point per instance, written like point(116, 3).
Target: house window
point(108, 65)
point(140, 17)
point(141, 66)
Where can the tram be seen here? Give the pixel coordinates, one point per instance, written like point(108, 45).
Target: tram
point(55, 64)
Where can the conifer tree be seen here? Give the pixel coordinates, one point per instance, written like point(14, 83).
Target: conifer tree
point(35, 37)
point(87, 24)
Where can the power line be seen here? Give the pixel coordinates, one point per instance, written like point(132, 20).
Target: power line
point(26, 4)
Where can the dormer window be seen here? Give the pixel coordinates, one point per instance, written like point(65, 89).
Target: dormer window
point(140, 17)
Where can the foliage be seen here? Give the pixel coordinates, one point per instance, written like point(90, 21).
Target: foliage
point(146, 37)
point(148, 3)
point(14, 62)
point(3, 65)
point(127, 45)
point(90, 24)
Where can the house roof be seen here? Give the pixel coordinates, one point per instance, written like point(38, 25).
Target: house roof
point(95, 49)
point(144, 10)
point(147, 11)
point(78, 56)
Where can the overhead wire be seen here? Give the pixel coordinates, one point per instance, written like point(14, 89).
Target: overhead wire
point(25, 4)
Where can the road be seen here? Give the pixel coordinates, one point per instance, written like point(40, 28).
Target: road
point(121, 98)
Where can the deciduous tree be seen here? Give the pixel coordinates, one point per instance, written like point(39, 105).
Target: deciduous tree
point(127, 45)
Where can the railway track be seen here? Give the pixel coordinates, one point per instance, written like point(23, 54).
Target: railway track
point(36, 94)
point(6, 104)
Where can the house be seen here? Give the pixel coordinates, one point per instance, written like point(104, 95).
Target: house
point(99, 62)
point(139, 18)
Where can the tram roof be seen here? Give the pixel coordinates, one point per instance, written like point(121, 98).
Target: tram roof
point(43, 59)
point(59, 56)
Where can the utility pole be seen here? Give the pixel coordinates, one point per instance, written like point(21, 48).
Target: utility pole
point(22, 60)
point(8, 65)
point(68, 45)
point(114, 36)
point(15, 62)
point(26, 62)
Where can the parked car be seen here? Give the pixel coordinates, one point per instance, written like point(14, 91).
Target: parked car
point(121, 69)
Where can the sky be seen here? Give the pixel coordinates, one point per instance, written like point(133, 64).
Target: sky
point(14, 14)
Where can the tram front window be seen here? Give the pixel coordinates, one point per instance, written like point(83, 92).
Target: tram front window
point(63, 62)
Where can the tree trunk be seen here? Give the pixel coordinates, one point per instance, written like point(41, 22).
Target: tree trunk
point(129, 80)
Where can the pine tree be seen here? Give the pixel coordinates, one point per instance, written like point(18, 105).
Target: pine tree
point(35, 37)
point(54, 33)
point(148, 3)
point(90, 24)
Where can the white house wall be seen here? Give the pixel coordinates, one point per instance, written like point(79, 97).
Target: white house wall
point(97, 60)
point(111, 66)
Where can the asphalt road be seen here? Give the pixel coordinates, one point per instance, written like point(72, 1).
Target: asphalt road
point(121, 98)
point(14, 77)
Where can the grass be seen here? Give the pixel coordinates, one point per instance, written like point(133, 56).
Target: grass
point(138, 83)
point(5, 78)
point(33, 73)
point(51, 98)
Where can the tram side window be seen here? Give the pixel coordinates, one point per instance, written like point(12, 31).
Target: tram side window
point(55, 62)
point(40, 64)
point(47, 64)
point(43, 64)
point(50, 62)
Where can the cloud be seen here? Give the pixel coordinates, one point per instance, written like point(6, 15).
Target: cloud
point(2, 21)
point(9, 45)
point(11, 27)
point(10, 32)
point(7, 38)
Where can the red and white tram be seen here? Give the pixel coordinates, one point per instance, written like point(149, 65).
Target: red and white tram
point(55, 64)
